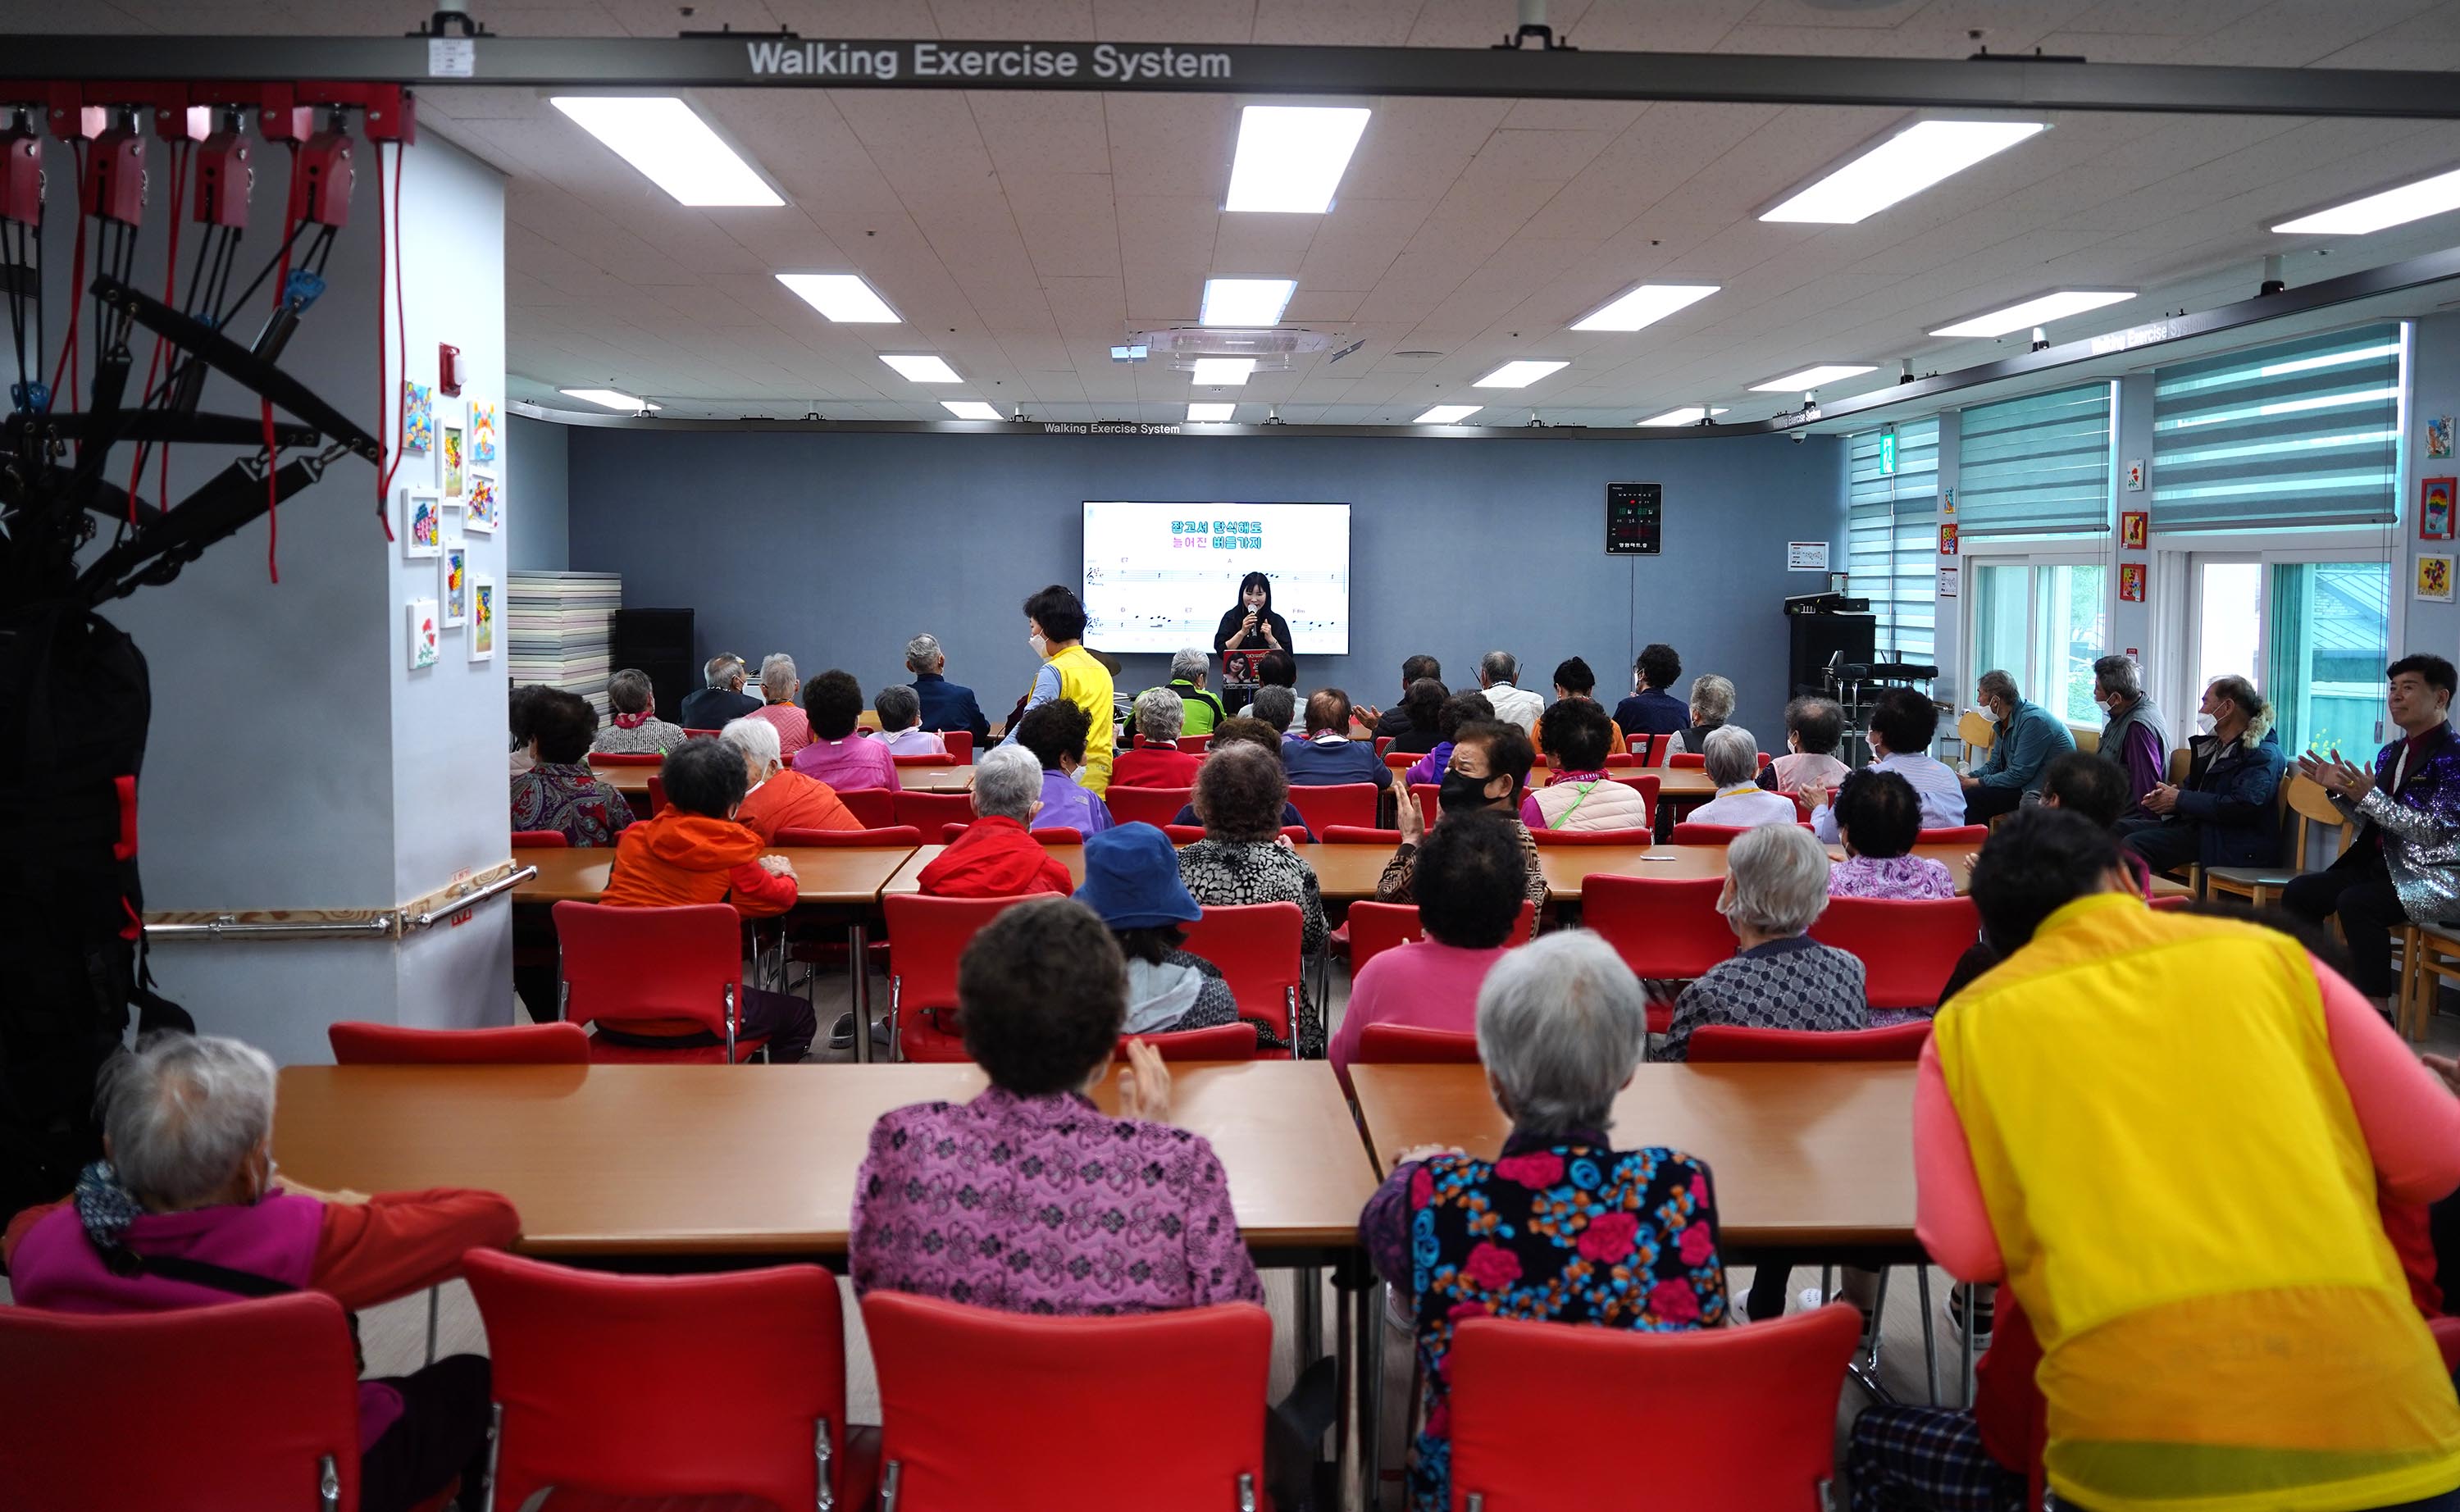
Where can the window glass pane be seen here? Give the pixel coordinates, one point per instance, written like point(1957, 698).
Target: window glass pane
point(2002, 601)
point(1889, 554)
point(2331, 636)
point(2229, 618)
point(2073, 631)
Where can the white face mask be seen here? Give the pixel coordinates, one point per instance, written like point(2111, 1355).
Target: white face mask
point(1041, 647)
point(2204, 724)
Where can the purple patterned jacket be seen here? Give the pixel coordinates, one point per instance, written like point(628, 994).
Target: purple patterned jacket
point(2419, 825)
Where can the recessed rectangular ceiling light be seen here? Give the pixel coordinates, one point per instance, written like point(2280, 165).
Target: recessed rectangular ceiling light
point(925, 369)
point(611, 398)
point(1688, 415)
point(673, 147)
point(1813, 378)
point(1645, 306)
point(2410, 201)
point(969, 409)
point(1448, 415)
point(1223, 370)
point(1246, 301)
point(1901, 167)
point(1210, 414)
point(1518, 374)
point(1291, 157)
point(2039, 311)
point(842, 297)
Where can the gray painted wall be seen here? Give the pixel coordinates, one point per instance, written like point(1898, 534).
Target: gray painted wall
point(537, 532)
point(837, 547)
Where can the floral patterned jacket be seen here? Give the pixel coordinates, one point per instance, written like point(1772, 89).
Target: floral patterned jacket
point(1562, 1230)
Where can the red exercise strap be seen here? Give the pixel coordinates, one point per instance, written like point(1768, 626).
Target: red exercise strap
point(170, 292)
point(77, 288)
point(125, 847)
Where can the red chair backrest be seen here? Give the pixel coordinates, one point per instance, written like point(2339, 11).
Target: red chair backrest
point(927, 812)
point(657, 795)
point(1375, 927)
point(653, 970)
point(1196, 745)
point(1731, 1042)
point(926, 936)
point(1335, 803)
point(1430, 800)
point(265, 1394)
point(1410, 1045)
point(1221, 1042)
point(981, 1409)
point(1665, 928)
point(1689, 833)
point(1755, 1409)
point(876, 807)
point(922, 758)
point(1401, 760)
point(703, 734)
point(1961, 835)
point(1621, 759)
point(2169, 901)
point(1256, 946)
point(1056, 835)
point(1650, 783)
point(555, 1044)
point(626, 759)
point(540, 840)
point(1189, 834)
point(663, 1386)
point(960, 743)
point(1353, 835)
point(1649, 750)
point(893, 835)
point(1383, 743)
point(1688, 761)
point(1908, 947)
point(1148, 805)
point(1593, 837)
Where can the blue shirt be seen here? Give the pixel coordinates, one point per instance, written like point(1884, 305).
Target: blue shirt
point(1934, 784)
point(1066, 806)
point(1313, 763)
point(2029, 739)
point(947, 706)
point(1653, 712)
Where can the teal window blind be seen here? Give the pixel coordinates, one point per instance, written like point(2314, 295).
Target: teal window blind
point(1892, 541)
point(2035, 467)
point(2302, 433)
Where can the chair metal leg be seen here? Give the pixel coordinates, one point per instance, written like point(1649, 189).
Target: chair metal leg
point(896, 1024)
point(1310, 1315)
point(825, 1498)
point(1971, 1304)
point(859, 988)
point(1930, 1334)
point(434, 1304)
point(328, 1485)
point(495, 1449)
point(1369, 1346)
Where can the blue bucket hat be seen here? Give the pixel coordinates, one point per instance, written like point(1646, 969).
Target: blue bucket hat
point(1131, 880)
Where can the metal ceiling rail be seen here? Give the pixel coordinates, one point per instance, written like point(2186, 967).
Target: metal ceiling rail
point(784, 60)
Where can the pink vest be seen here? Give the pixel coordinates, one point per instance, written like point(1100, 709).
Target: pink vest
point(56, 1267)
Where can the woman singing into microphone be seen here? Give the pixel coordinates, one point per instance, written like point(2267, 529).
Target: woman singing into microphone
point(1252, 626)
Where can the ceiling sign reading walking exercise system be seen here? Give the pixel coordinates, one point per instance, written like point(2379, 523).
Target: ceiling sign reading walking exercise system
point(1633, 514)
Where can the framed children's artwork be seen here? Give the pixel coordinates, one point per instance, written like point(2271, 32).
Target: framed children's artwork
point(422, 633)
point(482, 616)
point(482, 508)
point(2434, 506)
point(453, 584)
point(482, 434)
point(451, 462)
point(418, 416)
point(1947, 539)
point(423, 522)
point(2438, 436)
point(2134, 529)
point(2131, 582)
point(2434, 579)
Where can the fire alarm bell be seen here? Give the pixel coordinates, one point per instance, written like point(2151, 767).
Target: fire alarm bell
point(448, 369)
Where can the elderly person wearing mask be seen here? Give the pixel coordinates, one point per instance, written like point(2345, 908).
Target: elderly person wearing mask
point(1732, 755)
point(2029, 738)
point(901, 723)
point(1156, 759)
point(185, 1211)
point(1579, 795)
point(636, 728)
point(1483, 754)
point(1903, 725)
point(1188, 669)
point(560, 792)
point(996, 857)
point(1243, 859)
point(777, 687)
point(723, 700)
point(1712, 704)
point(1454, 712)
point(1776, 886)
point(2222, 814)
point(945, 705)
point(2133, 735)
point(780, 797)
point(1560, 1226)
point(1055, 733)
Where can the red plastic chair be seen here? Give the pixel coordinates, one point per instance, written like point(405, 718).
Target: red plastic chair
point(927, 812)
point(1383, 743)
point(1732, 1042)
point(923, 760)
point(876, 807)
point(1961, 835)
point(893, 835)
point(981, 1409)
point(1219, 1042)
point(1189, 834)
point(540, 840)
point(668, 1386)
point(1758, 1405)
point(1156, 807)
point(1335, 803)
point(1429, 800)
point(1401, 760)
point(703, 734)
point(1056, 835)
point(960, 744)
point(1257, 945)
point(1690, 834)
point(1621, 761)
point(626, 759)
point(1353, 835)
point(1667, 929)
point(1908, 947)
point(2168, 902)
point(1196, 745)
point(657, 795)
point(926, 937)
point(267, 1396)
point(1648, 783)
point(1375, 927)
point(1686, 761)
point(655, 971)
point(1593, 837)
point(1409, 1045)
point(556, 1044)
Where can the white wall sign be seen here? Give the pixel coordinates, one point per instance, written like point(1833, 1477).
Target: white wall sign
point(1947, 582)
point(1806, 556)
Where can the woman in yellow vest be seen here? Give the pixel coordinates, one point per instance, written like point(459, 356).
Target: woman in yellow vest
point(1055, 626)
point(2165, 1134)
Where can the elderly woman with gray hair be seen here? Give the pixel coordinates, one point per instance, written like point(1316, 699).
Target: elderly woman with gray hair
point(1732, 759)
point(185, 1211)
point(777, 689)
point(636, 728)
point(1155, 760)
point(901, 723)
point(1776, 884)
point(997, 856)
point(1712, 704)
point(1560, 1226)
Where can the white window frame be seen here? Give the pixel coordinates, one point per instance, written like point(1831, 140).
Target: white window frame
point(2037, 551)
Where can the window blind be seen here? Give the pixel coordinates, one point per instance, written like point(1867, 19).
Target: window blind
point(2038, 465)
point(1892, 542)
point(2302, 433)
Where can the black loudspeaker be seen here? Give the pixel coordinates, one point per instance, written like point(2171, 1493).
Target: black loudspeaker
point(658, 642)
point(1817, 638)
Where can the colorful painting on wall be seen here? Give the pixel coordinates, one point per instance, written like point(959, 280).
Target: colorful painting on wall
point(1947, 539)
point(453, 461)
point(2131, 582)
point(452, 583)
point(2438, 436)
point(418, 416)
point(2434, 506)
point(423, 522)
point(482, 616)
point(422, 633)
point(2134, 529)
point(2434, 579)
point(483, 507)
point(482, 434)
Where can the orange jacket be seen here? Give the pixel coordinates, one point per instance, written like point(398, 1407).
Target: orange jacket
point(792, 800)
point(679, 858)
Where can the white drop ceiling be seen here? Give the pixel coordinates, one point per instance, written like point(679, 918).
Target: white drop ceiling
point(1021, 235)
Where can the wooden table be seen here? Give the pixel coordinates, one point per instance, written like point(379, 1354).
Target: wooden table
point(703, 1165)
point(826, 876)
point(1567, 867)
point(633, 781)
point(1805, 1156)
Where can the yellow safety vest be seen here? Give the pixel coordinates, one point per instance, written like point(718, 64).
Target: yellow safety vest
point(2187, 1210)
point(1086, 683)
